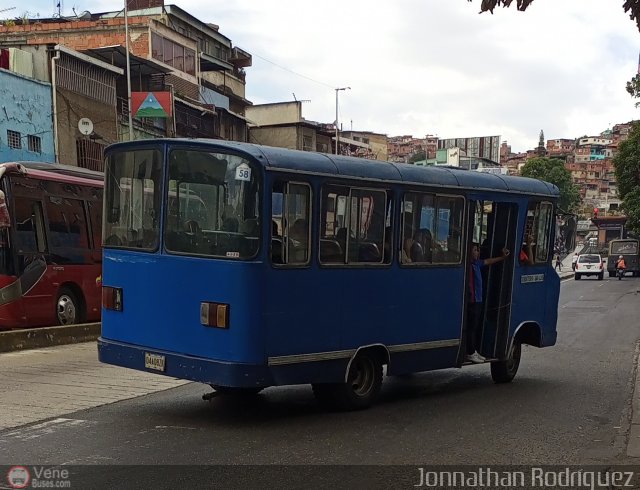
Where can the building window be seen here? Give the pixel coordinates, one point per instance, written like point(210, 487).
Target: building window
point(13, 139)
point(173, 54)
point(35, 145)
point(90, 154)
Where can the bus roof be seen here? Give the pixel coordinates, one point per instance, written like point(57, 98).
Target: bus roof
point(323, 163)
point(68, 170)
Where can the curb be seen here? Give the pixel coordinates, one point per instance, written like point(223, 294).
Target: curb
point(33, 338)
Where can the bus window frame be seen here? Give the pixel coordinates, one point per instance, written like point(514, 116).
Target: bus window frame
point(346, 263)
point(435, 196)
point(158, 201)
point(164, 200)
point(285, 226)
point(548, 232)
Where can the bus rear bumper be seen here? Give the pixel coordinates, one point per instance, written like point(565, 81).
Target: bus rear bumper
point(209, 371)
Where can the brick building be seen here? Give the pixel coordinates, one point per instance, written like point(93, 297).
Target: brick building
point(170, 51)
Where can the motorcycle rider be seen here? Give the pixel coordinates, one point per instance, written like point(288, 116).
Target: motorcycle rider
point(620, 267)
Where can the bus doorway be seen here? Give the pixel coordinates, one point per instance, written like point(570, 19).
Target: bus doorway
point(493, 227)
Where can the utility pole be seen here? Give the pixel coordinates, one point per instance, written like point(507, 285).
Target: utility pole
point(337, 133)
point(126, 44)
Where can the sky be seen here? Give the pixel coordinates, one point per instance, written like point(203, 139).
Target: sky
point(418, 67)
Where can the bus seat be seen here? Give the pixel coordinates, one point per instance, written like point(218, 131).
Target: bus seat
point(331, 251)
point(113, 240)
point(276, 251)
point(369, 252)
point(341, 237)
point(249, 227)
point(416, 252)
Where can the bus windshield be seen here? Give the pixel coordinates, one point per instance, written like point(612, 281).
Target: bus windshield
point(624, 247)
point(132, 200)
point(212, 205)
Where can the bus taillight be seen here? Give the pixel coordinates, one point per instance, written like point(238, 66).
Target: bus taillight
point(112, 298)
point(214, 315)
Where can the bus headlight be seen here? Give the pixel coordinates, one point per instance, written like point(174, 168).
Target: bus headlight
point(214, 314)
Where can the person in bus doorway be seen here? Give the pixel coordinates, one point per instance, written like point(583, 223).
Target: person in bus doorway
point(474, 305)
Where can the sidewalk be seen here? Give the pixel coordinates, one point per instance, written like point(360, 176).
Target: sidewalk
point(567, 271)
point(45, 383)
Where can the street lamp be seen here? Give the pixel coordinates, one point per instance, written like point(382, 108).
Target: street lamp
point(337, 136)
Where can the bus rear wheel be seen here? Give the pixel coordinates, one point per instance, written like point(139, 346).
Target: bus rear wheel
point(67, 308)
point(361, 389)
point(504, 371)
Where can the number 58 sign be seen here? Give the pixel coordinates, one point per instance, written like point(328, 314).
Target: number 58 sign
point(243, 172)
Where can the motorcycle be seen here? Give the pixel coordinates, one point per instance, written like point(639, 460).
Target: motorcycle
point(620, 273)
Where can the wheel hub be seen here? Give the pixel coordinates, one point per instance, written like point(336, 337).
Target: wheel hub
point(66, 310)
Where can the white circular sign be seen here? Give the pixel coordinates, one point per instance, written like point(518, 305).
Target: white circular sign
point(85, 126)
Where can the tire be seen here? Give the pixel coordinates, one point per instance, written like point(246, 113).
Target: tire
point(611, 274)
point(601, 276)
point(505, 371)
point(361, 390)
point(577, 276)
point(68, 308)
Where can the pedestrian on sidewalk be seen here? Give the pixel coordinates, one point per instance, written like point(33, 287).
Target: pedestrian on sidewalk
point(558, 263)
point(574, 261)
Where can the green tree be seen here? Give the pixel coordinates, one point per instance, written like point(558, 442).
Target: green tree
point(417, 156)
point(633, 87)
point(627, 165)
point(552, 170)
point(632, 7)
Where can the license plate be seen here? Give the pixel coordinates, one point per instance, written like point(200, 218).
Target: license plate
point(154, 361)
point(588, 267)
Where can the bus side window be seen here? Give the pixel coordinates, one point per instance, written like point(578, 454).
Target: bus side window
point(538, 230)
point(447, 245)
point(418, 228)
point(29, 226)
point(291, 206)
point(333, 222)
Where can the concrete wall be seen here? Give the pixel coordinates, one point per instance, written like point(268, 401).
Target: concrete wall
point(282, 137)
point(72, 107)
point(278, 113)
point(40, 61)
point(225, 79)
point(379, 146)
point(25, 107)
point(82, 34)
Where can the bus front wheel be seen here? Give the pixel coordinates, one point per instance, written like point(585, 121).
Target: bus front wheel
point(504, 371)
point(361, 389)
point(67, 307)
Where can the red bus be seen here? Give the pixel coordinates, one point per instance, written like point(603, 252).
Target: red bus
point(50, 244)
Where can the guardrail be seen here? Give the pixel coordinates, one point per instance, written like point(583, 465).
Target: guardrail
point(33, 338)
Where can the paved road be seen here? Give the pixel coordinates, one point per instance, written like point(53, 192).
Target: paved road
point(569, 404)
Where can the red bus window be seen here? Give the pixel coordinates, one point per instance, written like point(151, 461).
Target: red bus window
point(67, 223)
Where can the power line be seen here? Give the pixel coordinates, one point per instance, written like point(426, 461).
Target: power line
point(291, 71)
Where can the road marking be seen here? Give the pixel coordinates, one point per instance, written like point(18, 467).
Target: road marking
point(175, 427)
point(43, 429)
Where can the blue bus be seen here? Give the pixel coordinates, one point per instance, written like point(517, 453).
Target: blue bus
point(244, 266)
